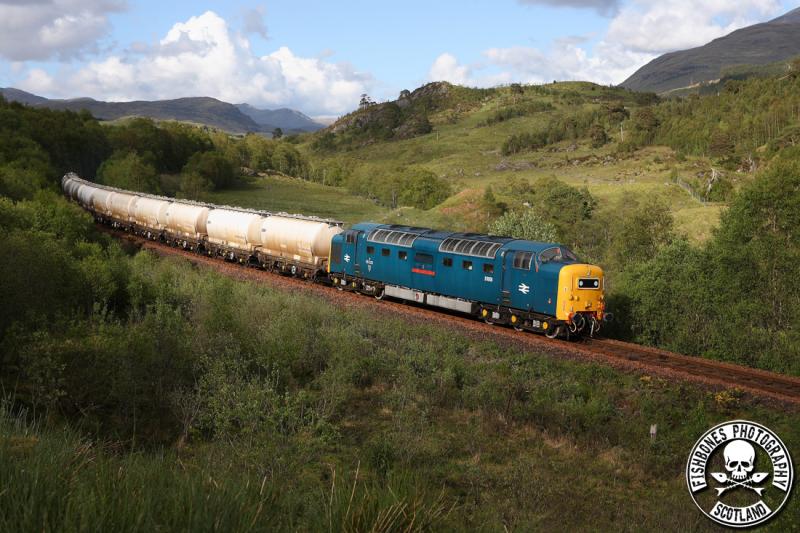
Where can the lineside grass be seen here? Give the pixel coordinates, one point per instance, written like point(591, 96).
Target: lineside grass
point(301, 415)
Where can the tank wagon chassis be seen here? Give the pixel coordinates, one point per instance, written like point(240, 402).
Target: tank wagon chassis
point(257, 258)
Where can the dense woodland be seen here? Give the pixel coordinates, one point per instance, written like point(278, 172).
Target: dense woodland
point(121, 372)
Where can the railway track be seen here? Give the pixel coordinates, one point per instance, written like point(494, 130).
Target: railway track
point(713, 374)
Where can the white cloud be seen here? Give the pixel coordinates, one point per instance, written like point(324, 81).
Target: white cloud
point(666, 25)
point(43, 29)
point(447, 68)
point(203, 57)
point(639, 32)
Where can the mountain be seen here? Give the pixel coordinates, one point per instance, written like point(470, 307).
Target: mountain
point(199, 110)
point(15, 95)
point(288, 120)
point(760, 44)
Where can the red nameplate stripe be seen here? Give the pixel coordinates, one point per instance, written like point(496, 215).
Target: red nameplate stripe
point(423, 271)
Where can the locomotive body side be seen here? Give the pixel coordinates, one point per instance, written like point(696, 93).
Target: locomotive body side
point(502, 280)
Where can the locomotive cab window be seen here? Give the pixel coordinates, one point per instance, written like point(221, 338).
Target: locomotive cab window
point(370, 249)
point(522, 260)
point(488, 268)
point(557, 254)
point(447, 261)
point(385, 252)
point(467, 265)
point(402, 255)
point(350, 237)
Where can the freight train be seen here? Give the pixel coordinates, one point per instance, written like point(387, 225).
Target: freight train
point(532, 286)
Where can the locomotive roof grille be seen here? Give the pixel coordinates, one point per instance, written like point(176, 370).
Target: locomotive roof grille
point(471, 247)
point(398, 238)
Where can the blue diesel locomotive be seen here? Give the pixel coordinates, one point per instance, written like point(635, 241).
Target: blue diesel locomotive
point(534, 286)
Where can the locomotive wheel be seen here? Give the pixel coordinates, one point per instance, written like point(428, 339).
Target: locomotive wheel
point(380, 295)
point(553, 333)
point(518, 328)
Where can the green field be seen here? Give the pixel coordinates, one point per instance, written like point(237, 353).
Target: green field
point(292, 195)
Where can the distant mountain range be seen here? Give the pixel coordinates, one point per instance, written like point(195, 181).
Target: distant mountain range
point(241, 118)
point(760, 44)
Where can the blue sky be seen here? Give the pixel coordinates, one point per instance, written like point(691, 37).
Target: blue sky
point(319, 56)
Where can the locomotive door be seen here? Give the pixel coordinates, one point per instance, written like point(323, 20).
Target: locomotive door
point(350, 253)
point(518, 279)
point(423, 273)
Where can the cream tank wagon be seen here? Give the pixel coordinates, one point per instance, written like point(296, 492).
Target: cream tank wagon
point(292, 244)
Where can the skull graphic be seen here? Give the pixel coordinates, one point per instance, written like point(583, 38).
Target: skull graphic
point(740, 459)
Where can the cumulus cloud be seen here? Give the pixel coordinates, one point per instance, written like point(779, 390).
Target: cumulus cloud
point(639, 32)
point(667, 25)
point(44, 29)
point(204, 57)
point(604, 7)
point(447, 68)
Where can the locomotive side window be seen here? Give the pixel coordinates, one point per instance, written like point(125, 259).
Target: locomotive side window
point(402, 255)
point(370, 249)
point(423, 258)
point(488, 268)
point(467, 265)
point(522, 260)
point(385, 252)
point(447, 261)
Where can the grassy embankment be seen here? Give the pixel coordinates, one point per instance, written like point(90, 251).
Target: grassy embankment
point(301, 415)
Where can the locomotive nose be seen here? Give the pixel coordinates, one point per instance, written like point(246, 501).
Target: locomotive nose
point(581, 299)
